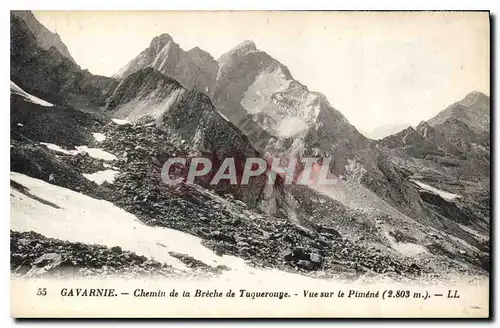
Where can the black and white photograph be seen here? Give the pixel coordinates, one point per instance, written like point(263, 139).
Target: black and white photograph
point(319, 164)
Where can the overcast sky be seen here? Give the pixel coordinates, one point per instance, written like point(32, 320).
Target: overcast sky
point(375, 68)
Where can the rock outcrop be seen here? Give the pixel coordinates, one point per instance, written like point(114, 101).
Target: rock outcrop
point(50, 75)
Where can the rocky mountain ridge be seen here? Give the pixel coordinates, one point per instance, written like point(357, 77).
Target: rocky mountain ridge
point(448, 158)
point(473, 110)
point(44, 38)
point(280, 116)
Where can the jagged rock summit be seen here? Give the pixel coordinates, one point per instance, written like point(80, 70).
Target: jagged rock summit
point(167, 57)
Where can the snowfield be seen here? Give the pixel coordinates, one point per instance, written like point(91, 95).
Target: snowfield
point(78, 218)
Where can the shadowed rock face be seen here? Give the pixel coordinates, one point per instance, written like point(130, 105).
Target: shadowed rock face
point(192, 119)
point(208, 66)
point(50, 75)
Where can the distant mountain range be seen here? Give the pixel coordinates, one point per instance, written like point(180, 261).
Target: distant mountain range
point(385, 130)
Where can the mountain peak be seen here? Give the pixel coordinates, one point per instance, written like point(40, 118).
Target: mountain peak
point(473, 98)
point(422, 124)
point(476, 94)
point(193, 70)
point(162, 40)
point(473, 110)
point(198, 52)
point(409, 129)
point(196, 49)
point(247, 46)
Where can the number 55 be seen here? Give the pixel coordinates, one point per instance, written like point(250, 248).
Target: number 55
point(41, 292)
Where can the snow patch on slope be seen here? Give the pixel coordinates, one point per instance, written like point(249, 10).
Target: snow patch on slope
point(443, 194)
point(100, 177)
point(81, 218)
point(99, 137)
point(59, 149)
point(119, 121)
point(291, 126)
point(15, 89)
point(96, 153)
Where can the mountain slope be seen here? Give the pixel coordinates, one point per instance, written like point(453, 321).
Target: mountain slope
point(458, 138)
point(281, 116)
point(277, 114)
point(473, 110)
point(448, 159)
point(44, 38)
point(50, 75)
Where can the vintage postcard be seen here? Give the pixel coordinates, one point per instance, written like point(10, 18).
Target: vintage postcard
point(250, 164)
